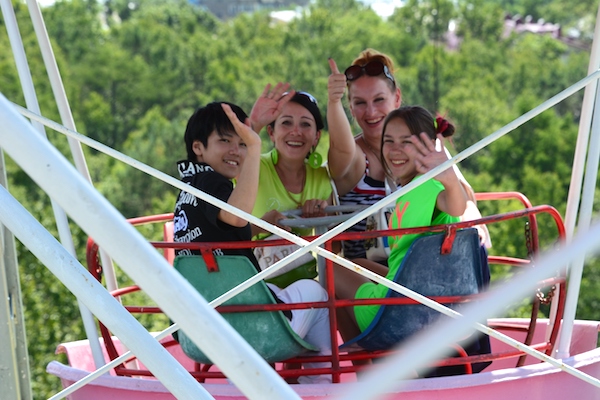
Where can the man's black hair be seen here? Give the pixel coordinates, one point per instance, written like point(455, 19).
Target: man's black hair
point(207, 119)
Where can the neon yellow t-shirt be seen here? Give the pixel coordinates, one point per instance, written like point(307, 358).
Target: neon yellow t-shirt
point(272, 195)
point(416, 208)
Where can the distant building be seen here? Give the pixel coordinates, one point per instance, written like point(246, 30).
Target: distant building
point(520, 25)
point(225, 9)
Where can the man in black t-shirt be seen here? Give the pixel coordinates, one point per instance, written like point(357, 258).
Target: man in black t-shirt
point(198, 221)
point(220, 148)
point(215, 157)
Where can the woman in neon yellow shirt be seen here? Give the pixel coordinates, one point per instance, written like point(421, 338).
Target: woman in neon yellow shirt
point(291, 175)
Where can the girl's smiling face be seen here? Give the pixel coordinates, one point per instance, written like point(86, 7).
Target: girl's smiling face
point(399, 151)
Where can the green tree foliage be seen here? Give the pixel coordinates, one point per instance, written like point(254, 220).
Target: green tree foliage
point(134, 72)
point(427, 19)
point(110, 97)
point(155, 143)
point(339, 6)
point(481, 20)
point(75, 27)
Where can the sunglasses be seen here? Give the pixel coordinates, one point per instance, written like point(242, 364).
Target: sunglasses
point(372, 68)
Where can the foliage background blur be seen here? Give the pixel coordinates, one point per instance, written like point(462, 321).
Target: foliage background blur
point(134, 72)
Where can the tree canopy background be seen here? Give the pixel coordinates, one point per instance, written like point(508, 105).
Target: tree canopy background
point(134, 72)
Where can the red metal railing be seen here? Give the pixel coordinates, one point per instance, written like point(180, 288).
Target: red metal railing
point(201, 372)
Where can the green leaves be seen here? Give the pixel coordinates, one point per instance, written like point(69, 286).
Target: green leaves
point(135, 71)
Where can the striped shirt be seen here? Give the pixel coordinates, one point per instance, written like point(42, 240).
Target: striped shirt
point(368, 191)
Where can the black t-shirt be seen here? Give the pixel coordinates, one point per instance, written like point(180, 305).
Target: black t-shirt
point(197, 221)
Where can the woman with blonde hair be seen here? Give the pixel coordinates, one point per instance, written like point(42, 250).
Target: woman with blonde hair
point(354, 161)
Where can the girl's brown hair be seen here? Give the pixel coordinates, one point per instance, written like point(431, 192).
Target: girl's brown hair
point(418, 120)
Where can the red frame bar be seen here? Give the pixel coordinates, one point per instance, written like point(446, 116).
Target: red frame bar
point(336, 358)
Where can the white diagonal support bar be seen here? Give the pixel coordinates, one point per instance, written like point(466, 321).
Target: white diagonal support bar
point(79, 281)
point(64, 109)
point(180, 301)
point(62, 222)
point(589, 112)
point(14, 359)
point(426, 346)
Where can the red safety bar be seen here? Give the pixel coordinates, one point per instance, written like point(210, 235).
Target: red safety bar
point(202, 372)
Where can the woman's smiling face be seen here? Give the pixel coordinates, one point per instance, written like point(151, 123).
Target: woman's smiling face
point(371, 100)
point(295, 132)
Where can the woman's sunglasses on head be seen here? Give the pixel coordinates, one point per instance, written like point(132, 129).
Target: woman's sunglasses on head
point(372, 68)
point(309, 96)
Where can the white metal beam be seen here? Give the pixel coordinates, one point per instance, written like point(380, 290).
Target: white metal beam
point(176, 297)
point(66, 115)
point(426, 346)
point(79, 281)
point(14, 361)
point(62, 223)
point(589, 110)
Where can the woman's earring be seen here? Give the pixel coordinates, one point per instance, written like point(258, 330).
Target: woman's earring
point(315, 160)
point(274, 156)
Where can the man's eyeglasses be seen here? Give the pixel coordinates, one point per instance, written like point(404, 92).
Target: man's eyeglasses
point(372, 68)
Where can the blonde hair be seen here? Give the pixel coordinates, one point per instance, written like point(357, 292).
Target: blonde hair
point(368, 55)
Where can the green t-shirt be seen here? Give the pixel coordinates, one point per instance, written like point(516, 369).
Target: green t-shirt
point(416, 208)
point(272, 195)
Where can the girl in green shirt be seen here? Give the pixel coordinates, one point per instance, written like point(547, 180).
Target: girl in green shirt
point(407, 151)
